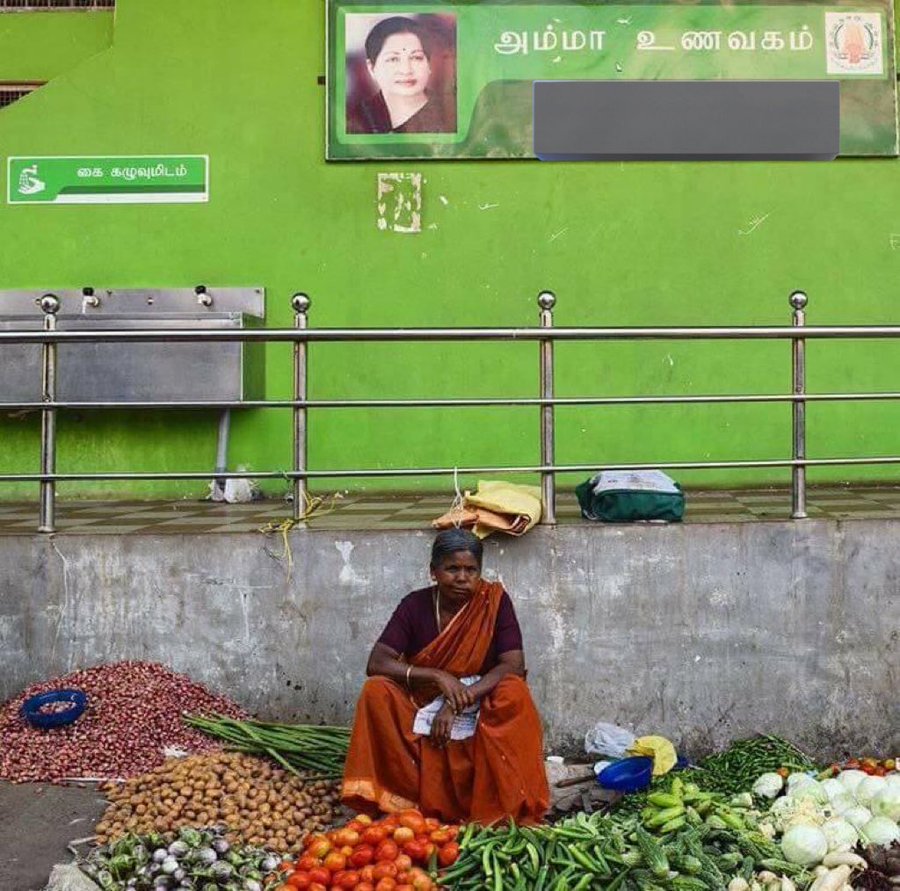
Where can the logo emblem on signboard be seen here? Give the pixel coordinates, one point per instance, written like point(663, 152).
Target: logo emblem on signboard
point(854, 43)
point(29, 184)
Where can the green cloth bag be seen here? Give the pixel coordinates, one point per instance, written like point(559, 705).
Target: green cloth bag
point(628, 496)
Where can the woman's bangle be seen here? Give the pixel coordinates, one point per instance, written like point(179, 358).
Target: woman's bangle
point(408, 670)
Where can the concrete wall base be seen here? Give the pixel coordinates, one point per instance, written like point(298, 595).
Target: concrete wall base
point(703, 633)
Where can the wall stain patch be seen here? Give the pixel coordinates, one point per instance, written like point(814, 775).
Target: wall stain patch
point(400, 202)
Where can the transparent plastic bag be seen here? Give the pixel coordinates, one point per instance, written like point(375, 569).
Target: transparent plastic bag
point(68, 877)
point(608, 739)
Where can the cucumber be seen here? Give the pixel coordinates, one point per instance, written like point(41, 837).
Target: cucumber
point(663, 816)
point(664, 799)
point(673, 825)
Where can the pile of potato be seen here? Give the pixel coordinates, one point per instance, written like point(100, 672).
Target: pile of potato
point(259, 802)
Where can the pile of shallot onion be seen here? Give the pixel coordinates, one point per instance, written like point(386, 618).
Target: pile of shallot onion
point(132, 719)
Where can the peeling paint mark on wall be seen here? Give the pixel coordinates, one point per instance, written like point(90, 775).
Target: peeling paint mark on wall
point(63, 613)
point(895, 240)
point(348, 575)
point(753, 225)
point(487, 206)
point(721, 598)
point(400, 202)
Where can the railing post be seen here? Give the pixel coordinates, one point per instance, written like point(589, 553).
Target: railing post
point(50, 307)
point(300, 304)
point(798, 301)
point(546, 301)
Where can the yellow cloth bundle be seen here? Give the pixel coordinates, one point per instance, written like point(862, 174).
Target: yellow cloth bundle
point(496, 506)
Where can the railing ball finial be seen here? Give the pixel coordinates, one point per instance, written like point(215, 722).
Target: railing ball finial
point(798, 299)
point(49, 304)
point(301, 303)
point(546, 300)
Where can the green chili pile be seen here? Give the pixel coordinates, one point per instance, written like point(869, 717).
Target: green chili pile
point(683, 840)
point(737, 768)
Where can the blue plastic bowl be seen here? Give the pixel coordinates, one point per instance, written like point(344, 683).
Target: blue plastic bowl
point(31, 708)
point(627, 775)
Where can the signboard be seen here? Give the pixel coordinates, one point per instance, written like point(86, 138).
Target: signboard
point(121, 179)
point(455, 79)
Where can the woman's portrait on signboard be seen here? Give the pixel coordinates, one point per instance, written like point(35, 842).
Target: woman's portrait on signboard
point(401, 73)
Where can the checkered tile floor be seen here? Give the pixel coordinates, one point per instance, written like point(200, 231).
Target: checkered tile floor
point(379, 512)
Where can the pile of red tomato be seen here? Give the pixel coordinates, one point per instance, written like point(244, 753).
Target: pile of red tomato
point(393, 854)
point(871, 766)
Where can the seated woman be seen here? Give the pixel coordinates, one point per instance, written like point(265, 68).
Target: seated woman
point(461, 627)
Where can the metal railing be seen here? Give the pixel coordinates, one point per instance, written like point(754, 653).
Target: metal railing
point(54, 5)
point(301, 336)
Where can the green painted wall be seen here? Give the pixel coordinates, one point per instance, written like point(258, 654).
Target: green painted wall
point(621, 244)
point(41, 46)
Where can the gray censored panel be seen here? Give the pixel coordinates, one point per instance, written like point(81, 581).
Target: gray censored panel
point(583, 120)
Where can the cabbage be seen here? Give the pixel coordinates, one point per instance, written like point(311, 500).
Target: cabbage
point(788, 811)
point(858, 816)
point(841, 835)
point(880, 831)
point(797, 779)
point(804, 845)
point(869, 788)
point(768, 785)
point(782, 806)
point(802, 819)
point(811, 790)
point(833, 788)
point(843, 802)
point(851, 779)
point(886, 802)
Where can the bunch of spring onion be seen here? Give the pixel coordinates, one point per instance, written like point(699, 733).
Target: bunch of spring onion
point(296, 747)
point(199, 859)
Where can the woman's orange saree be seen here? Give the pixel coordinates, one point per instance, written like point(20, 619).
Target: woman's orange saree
point(496, 774)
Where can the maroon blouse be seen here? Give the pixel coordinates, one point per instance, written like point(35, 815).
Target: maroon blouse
point(413, 626)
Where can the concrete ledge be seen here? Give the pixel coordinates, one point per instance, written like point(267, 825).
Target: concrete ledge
point(703, 633)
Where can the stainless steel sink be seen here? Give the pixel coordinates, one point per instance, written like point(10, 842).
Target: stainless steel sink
point(137, 372)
